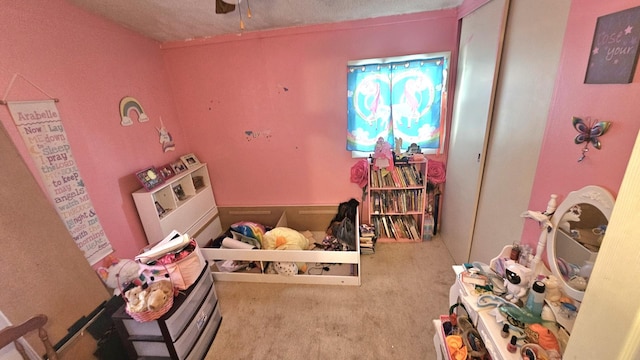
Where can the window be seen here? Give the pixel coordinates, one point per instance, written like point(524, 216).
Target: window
point(397, 98)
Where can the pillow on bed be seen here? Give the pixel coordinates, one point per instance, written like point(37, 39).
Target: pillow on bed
point(249, 229)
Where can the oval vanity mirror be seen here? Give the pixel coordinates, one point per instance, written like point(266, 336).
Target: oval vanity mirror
point(579, 226)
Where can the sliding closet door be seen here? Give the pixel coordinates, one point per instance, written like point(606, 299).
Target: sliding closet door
point(480, 49)
point(530, 57)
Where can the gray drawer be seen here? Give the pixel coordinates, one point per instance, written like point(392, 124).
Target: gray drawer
point(187, 339)
point(175, 321)
point(201, 347)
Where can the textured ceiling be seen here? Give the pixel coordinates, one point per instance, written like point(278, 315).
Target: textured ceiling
point(174, 20)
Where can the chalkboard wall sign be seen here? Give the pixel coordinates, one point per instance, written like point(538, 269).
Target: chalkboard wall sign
point(614, 52)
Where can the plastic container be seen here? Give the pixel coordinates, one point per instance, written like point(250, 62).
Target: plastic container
point(585, 270)
point(515, 251)
point(535, 301)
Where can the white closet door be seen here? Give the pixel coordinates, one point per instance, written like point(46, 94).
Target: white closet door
point(479, 54)
point(532, 47)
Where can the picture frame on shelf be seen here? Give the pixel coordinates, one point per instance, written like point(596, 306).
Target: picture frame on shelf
point(190, 160)
point(179, 191)
point(160, 209)
point(198, 182)
point(166, 171)
point(178, 166)
point(149, 178)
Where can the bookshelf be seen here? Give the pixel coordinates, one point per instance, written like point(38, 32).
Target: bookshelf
point(397, 200)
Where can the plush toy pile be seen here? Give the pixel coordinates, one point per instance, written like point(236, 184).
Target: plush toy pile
point(151, 297)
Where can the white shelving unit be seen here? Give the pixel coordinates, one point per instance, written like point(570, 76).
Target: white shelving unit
point(184, 203)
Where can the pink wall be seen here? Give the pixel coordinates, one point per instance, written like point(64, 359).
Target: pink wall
point(90, 64)
point(225, 87)
point(558, 170)
point(296, 153)
point(288, 88)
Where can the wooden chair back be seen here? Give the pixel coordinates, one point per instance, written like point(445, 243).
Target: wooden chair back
point(12, 333)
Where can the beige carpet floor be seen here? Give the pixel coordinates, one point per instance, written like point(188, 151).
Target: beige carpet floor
point(404, 287)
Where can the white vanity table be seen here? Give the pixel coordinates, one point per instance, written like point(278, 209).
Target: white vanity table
point(482, 317)
point(485, 323)
point(466, 294)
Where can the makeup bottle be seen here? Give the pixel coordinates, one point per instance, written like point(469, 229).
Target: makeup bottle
point(511, 346)
point(505, 331)
point(535, 301)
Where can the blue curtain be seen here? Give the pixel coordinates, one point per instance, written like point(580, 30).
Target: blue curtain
point(395, 100)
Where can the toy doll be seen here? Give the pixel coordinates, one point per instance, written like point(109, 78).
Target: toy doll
point(517, 281)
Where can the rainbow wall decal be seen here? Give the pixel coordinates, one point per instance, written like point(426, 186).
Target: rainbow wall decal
point(128, 104)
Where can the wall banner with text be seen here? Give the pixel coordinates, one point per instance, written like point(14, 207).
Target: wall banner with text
point(40, 124)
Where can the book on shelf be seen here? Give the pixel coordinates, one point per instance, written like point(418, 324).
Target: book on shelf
point(401, 176)
point(396, 226)
point(414, 233)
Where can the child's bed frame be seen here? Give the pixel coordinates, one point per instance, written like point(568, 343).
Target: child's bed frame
point(334, 267)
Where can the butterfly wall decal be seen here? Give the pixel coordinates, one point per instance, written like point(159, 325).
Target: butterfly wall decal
point(589, 131)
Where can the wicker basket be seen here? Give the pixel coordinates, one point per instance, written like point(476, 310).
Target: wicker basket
point(144, 316)
point(150, 315)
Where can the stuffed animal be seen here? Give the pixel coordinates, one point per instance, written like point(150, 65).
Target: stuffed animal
point(116, 271)
point(159, 293)
point(382, 155)
point(149, 297)
point(552, 289)
point(517, 281)
point(135, 299)
point(284, 238)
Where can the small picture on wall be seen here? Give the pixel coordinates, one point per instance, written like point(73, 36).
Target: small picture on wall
point(190, 160)
point(149, 178)
point(178, 167)
point(166, 171)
